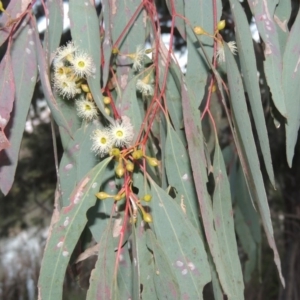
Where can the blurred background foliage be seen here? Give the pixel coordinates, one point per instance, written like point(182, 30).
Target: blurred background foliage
point(30, 201)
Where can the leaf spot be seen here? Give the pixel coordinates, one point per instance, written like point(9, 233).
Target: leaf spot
point(3, 122)
point(134, 261)
point(68, 167)
point(94, 185)
point(191, 266)
point(179, 263)
point(185, 177)
point(32, 79)
point(29, 32)
point(121, 257)
point(77, 197)
point(28, 51)
point(184, 271)
point(66, 222)
point(65, 253)
point(59, 244)
point(31, 43)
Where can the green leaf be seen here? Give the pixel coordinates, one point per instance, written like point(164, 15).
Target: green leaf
point(143, 265)
point(77, 160)
point(165, 281)
point(102, 277)
point(281, 17)
point(181, 243)
point(291, 87)
point(84, 26)
point(263, 12)
point(24, 69)
point(248, 153)
point(199, 13)
point(68, 109)
point(247, 242)
point(64, 234)
point(55, 27)
point(248, 68)
point(99, 215)
point(180, 176)
point(195, 142)
point(172, 90)
point(223, 220)
point(15, 8)
point(128, 106)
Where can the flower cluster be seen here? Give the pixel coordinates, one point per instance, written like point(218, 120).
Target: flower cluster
point(71, 69)
point(119, 134)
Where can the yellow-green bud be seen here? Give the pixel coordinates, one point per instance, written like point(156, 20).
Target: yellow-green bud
point(89, 96)
point(147, 198)
point(147, 51)
point(152, 161)
point(115, 50)
point(147, 217)
point(114, 152)
point(199, 30)
point(119, 197)
point(221, 25)
point(85, 88)
point(137, 154)
point(107, 111)
point(106, 100)
point(103, 195)
point(129, 166)
point(120, 170)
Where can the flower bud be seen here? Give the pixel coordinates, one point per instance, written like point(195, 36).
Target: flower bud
point(103, 195)
point(114, 152)
point(199, 30)
point(119, 197)
point(115, 50)
point(120, 170)
point(221, 25)
point(106, 100)
point(107, 111)
point(147, 198)
point(152, 161)
point(137, 154)
point(147, 217)
point(129, 166)
point(147, 51)
point(85, 88)
point(89, 96)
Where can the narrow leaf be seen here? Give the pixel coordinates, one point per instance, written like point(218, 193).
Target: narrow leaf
point(25, 74)
point(251, 166)
point(54, 28)
point(248, 68)
point(223, 220)
point(181, 243)
point(7, 92)
point(195, 142)
point(101, 279)
point(263, 12)
point(165, 281)
point(180, 176)
point(291, 87)
point(65, 233)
